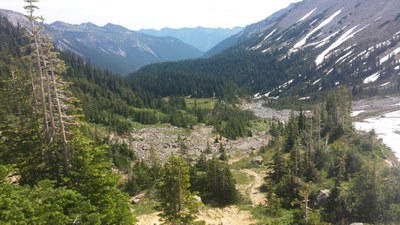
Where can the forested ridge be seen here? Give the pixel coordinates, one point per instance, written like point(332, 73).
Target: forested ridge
point(58, 164)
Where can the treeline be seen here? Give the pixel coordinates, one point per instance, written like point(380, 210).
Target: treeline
point(323, 153)
point(233, 73)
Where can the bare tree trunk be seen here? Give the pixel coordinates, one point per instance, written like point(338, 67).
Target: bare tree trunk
point(39, 73)
point(62, 125)
point(35, 101)
point(52, 127)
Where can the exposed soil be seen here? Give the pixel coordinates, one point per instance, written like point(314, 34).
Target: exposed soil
point(215, 216)
point(226, 216)
point(256, 197)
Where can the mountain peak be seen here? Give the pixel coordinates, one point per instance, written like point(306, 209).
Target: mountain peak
point(115, 27)
point(89, 25)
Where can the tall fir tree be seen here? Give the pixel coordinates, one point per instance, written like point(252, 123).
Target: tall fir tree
point(177, 203)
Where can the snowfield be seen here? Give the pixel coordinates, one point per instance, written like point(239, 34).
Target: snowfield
point(382, 115)
point(387, 127)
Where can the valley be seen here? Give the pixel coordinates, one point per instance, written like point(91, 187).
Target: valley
point(107, 125)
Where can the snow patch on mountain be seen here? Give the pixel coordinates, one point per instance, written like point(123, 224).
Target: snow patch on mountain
point(326, 40)
point(304, 98)
point(259, 45)
point(343, 58)
point(387, 57)
point(270, 34)
point(356, 113)
point(374, 77)
point(307, 15)
point(145, 48)
point(315, 82)
point(284, 85)
point(349, 34)
point(103, 50)
point(302, 42)
point(119, 52)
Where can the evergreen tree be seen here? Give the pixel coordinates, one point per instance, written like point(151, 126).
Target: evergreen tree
point(222, 153)
point(222, 186)
point(177, 202)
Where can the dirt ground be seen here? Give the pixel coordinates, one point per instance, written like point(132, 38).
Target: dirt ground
point(256, 197)
point(215, 216)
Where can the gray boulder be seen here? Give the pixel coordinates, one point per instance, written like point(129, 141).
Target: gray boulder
point(257, 160)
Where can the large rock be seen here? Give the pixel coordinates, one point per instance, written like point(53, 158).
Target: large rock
point(322, 197)
point(198, 199)
point(257, 160)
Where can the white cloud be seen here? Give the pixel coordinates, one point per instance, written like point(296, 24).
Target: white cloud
point(155, 13)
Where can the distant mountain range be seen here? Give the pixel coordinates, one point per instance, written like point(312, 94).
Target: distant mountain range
point(200, 37)
point(112, 46)
point(117, 48)
point(306, 49)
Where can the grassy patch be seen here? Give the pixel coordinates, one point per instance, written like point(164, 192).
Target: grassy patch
point(204, 103)
point(260, 125)
point(243, 164)
point(261, 214)
point(139, 126)
point(268, 154)
point(144, 208)
point(241, 177)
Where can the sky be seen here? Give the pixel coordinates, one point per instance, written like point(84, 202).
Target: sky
point(156, 14)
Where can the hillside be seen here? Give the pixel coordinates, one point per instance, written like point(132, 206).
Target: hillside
point(113, 47)
point(309, 48)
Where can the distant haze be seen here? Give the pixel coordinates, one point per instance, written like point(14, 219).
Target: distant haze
point(155, 14)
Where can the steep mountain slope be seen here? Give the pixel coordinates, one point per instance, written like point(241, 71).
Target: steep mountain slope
point(200, 37)
point(114, 47)
point(247, 32)
point(310, 47)
point(355, 42)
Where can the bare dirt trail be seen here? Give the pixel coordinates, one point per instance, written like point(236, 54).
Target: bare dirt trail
point(227, 216)
point(256, 197)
